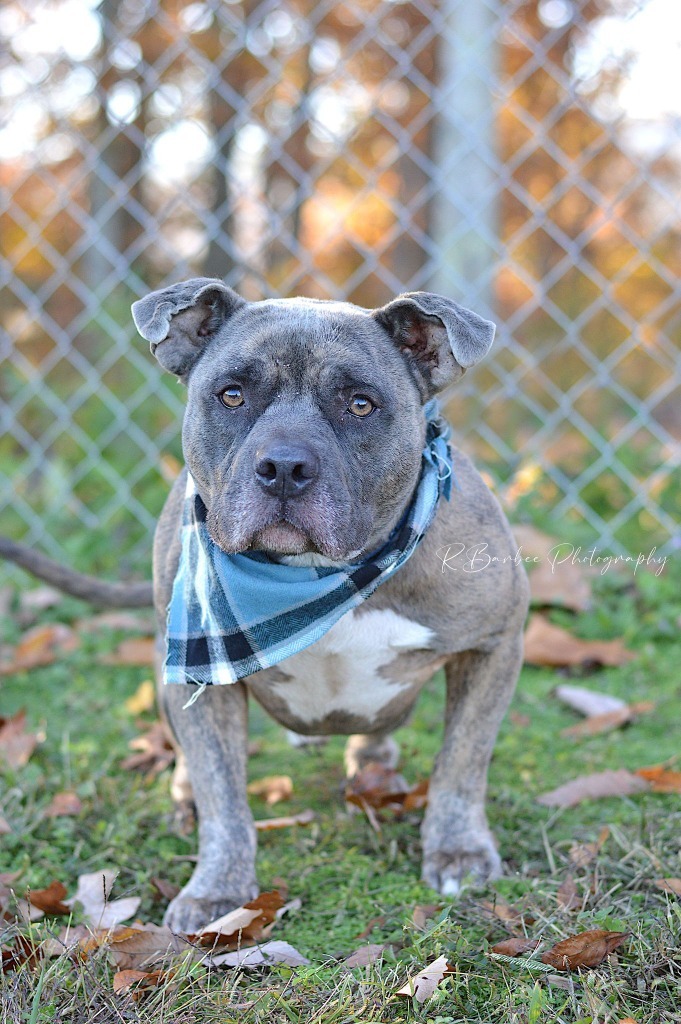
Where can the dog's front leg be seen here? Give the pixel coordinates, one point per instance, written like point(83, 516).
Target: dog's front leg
point(456, 838)
point(213, 735)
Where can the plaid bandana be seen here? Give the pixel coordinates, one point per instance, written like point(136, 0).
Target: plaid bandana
point(232, 615)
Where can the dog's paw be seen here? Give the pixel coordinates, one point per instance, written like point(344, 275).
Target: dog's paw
point(468, 859)
point(187, 914)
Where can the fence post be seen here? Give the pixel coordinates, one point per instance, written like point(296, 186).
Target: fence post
point(464, 223)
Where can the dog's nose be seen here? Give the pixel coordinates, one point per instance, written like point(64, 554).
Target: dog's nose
point(285, 470)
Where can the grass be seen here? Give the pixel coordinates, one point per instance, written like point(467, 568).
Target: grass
point(346, 874)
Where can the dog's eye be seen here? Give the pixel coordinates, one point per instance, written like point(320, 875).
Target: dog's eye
point(232, 397)
point(360, 405)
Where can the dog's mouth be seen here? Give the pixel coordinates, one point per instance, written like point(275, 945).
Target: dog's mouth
point(282, 538)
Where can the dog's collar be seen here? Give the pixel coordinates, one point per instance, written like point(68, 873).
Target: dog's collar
point(233, 615)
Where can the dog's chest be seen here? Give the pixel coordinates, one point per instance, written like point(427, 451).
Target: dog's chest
point(344, 672)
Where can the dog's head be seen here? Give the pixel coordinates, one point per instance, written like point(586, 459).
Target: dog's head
point(304, 425)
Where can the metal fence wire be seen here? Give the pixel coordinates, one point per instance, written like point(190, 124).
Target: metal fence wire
point(521, 157)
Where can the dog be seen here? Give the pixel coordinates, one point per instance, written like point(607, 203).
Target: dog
point(304, 438)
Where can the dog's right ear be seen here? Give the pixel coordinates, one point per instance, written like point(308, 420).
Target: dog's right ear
point(180, 320)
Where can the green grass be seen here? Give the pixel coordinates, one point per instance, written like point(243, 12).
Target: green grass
point(346, 874)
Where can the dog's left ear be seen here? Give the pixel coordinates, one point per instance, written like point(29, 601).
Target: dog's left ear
point(440, 338)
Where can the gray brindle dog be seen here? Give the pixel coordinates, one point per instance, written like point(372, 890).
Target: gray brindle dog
point(304, 432)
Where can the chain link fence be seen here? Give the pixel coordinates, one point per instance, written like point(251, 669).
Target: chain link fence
point(519, 156)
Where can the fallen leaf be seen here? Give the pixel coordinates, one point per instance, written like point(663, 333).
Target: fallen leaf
point(568, 894)
point(63, 805)
point(133, 651)
point(377, 786)
point(553, 647)
point(365, 955)
point(244, 925)
point(500, 910)
point(553, 580)
point(661, 779)
point(587, 949)
point(168, 890)
point(672, 885)
point(521, 721)
point(16, 745)
point(594, 787)
point(143, 699)
point(156, 751)
point(266, 955)
point(421, 914)
point(133, 622)
point(40, 646)
point(93, 894)
point(373, 922)
point(515, 946)
point(581, 854)
point(5, 828)
point(20, 952)
point(424, 984)
point(292, 907)
point(273, 788)
point(138, 983)
point(606, 721)
point(49, 900)
point(39, 599)
point(303, 818)
point(588, 702)
point(137, 948)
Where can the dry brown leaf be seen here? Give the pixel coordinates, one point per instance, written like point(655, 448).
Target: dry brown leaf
point(515, 946)
point(133, 622)
point(424, 984)
point(373, 922)
point(594, 787)
point(581, 854)
point(365, 955)
point(40, 646)
point(243, 926)
point(139, 947)
point(502, 911)
point(168, 890)
point(553, 647)
point(422, 914)
point(272, 788)
point(143, 699)
point(376, 786)
point(588, 702)
point(609, 720)
point(62, 805)
point(156, 751)
point(587, 949)
point(553, 581)
point(49, 900)
point(134, 651)
point(568, 894)
point(303, 818)
point(661, 779)
point(137, 984)
point(21, 951)
point(16, 745)
point(672, 885)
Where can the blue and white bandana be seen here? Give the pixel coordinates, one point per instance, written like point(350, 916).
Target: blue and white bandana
point(232, 615)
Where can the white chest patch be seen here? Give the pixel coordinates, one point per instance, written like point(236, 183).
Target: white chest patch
point(340, 671)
